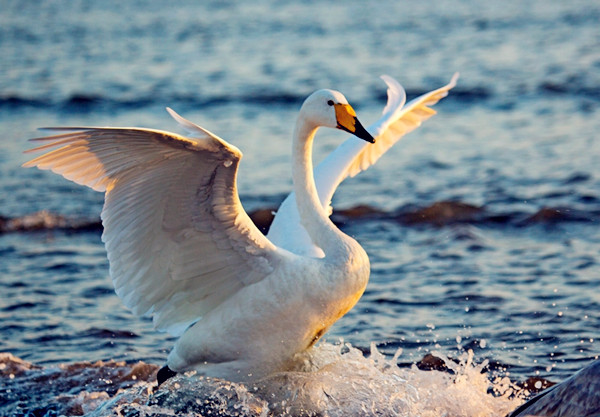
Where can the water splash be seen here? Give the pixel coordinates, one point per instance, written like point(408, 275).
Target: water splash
point(329, 380)
point(340, 380)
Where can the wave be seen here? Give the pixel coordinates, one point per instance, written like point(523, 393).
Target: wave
point(438, 214)
point(570, 87)
point(84, 102)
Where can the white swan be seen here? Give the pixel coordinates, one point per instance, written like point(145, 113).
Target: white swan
point(182, 249)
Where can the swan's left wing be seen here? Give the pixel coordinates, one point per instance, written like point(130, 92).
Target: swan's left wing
point(354, 156)
point(177, 238)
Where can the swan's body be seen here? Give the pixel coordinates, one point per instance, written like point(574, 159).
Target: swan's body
point(182, 249)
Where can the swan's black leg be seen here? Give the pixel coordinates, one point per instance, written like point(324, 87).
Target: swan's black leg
point(163, 374)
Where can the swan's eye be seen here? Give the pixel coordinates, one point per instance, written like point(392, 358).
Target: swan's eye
point(330, 102)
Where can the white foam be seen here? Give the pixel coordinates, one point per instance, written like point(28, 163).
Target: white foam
point(329, 380)
point(339, 380)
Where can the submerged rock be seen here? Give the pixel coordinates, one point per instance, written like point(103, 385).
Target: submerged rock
point(359, 212)
point(551, 215)
point(535, 384)
point(440, 214)
point(432, 363)
point(10, 365)
point(263, 218)
point(71, 389)
point(444, 213)
point(44, 220)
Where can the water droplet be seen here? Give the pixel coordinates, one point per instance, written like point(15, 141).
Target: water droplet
point(227, 164)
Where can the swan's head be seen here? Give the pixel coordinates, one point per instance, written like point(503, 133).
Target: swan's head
point(330, 108)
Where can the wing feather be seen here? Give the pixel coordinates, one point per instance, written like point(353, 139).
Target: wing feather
point(177, 238)
point(393, 125)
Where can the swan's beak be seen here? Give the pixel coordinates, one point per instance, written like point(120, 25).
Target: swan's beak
point(346, 120)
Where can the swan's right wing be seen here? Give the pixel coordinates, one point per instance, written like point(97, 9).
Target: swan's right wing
point(178, 240)
point(354, 156)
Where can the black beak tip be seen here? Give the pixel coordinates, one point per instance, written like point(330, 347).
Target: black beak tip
point(362, 133)
point(359, 131)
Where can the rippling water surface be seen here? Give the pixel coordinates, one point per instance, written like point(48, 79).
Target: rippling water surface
point(515, 146)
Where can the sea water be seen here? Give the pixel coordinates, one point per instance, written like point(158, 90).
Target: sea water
point(502, 289)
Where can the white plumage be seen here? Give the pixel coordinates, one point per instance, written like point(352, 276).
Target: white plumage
point(182, 249)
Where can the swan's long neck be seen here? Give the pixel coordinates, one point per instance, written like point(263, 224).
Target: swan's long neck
point(315, 220)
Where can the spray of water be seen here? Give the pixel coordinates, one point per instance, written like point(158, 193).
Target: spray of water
point(329, 380)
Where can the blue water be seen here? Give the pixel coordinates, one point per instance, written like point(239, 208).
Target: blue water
point(519, 134)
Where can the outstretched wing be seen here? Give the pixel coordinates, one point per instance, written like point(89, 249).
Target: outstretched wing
point(354, 156)
point(178, 240)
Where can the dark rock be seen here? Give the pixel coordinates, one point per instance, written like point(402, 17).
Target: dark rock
point(536, 384)
point(431, 363)
point(550, 215)
point(11, 365)
point(359, 211)
point(444, 213)
point(44, 220)
point(263, 218)
point(74, 389)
